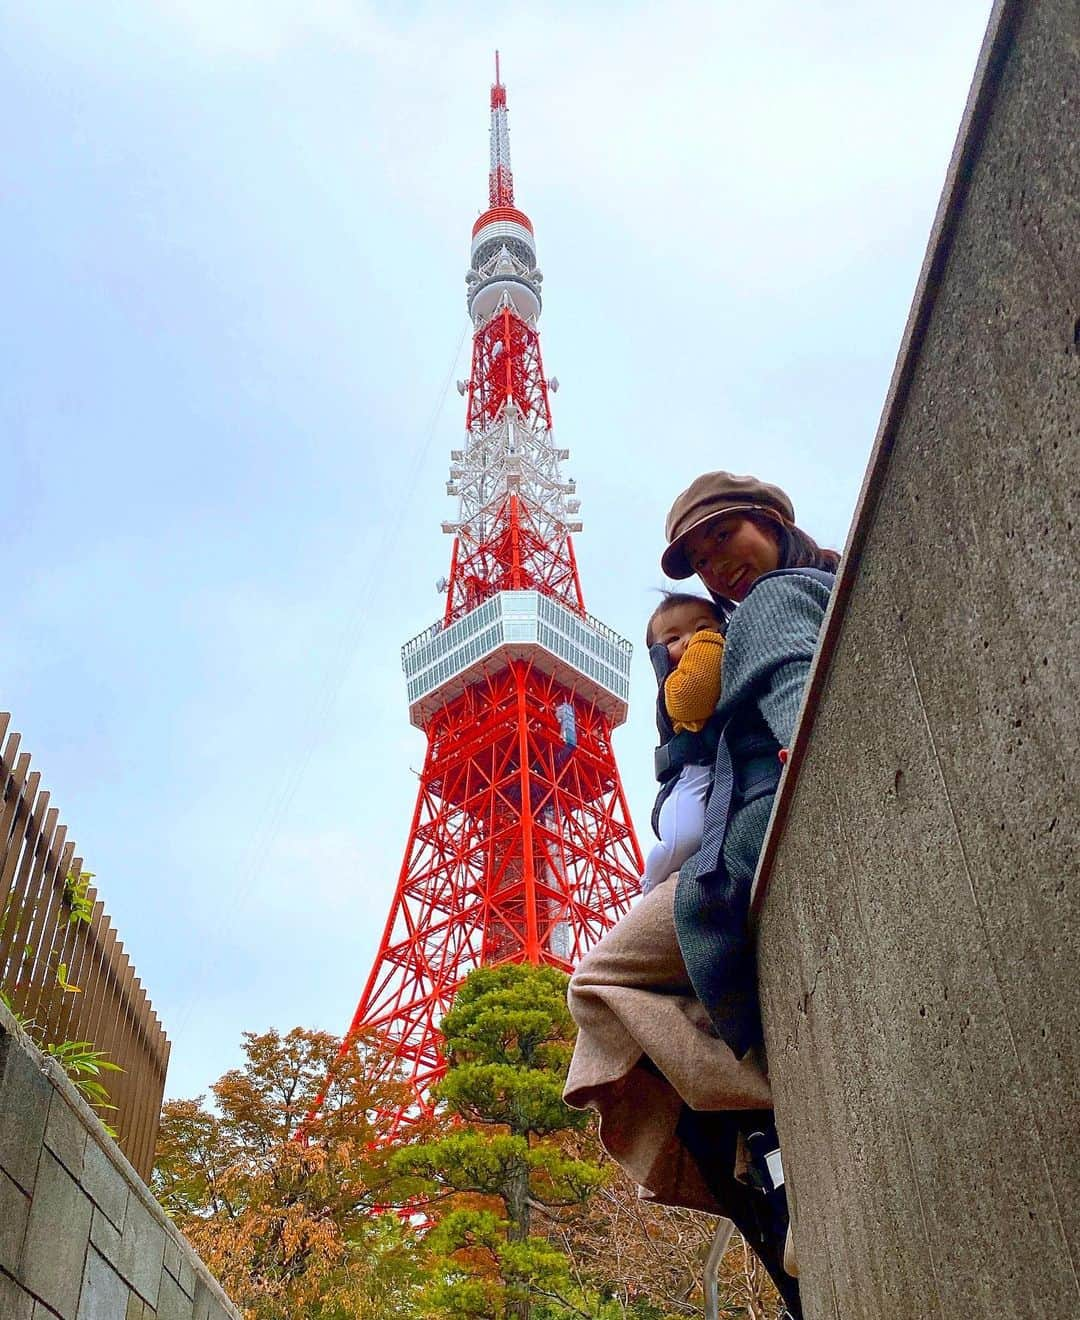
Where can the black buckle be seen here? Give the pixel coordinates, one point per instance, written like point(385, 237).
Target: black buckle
point(663, 766)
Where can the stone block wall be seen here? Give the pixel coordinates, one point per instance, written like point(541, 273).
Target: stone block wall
point(81, 1237)
point(919, 929)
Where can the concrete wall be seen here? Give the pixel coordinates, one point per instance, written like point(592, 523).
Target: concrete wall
point(80, 1236)
point(919, 935)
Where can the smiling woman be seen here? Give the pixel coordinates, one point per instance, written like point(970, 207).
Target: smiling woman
point(666, 1004)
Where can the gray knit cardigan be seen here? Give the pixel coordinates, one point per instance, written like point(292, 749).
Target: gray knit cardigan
point(771, 641)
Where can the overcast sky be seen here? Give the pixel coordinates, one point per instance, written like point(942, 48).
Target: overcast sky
point(233, 239)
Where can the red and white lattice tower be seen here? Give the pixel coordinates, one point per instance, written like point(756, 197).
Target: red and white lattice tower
point(521, 847)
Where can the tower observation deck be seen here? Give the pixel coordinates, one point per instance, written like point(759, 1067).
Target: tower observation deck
point(521, 847)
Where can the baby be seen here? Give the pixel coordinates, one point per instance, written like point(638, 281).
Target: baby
point(686, 645)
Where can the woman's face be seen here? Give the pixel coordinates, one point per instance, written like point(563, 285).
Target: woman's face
point(731, 552)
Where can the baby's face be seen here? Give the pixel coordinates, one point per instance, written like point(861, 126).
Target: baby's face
point(676, 627)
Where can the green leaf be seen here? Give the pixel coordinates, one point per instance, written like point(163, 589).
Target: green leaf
point(63, 982)
point(75, 896)
point(83, 1063)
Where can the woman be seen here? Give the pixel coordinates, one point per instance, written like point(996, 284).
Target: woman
point(666, 1003)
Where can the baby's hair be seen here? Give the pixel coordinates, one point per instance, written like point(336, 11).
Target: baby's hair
point(672, 600)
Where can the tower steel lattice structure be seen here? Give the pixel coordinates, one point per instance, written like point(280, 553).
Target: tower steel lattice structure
point(521, 848)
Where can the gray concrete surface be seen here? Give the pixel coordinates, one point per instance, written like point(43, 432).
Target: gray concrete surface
point(919, 939)
point(81, 1237)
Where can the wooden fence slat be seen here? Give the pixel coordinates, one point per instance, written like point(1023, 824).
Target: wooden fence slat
point(7, 761)
point(90, 1008)
point(34, 936)
point(19, 831)
point(8, 756)
point(27, 943)
point(18, 768)
point(136, 1061)
point(26, 948)
point(15, 884)
point(107, 1027)
point(110, 1008)
point(126, 1053)
point(47, 1002)
point(153, 1084)
point(141, 1074)
point(23, 891)
point(73, 954)
point(37, 936)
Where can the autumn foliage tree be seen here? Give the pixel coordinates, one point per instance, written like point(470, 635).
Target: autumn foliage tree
point(511, 1209)
point(651, 1258)
point(290, 1228)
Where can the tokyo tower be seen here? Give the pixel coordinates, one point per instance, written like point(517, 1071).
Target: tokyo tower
point(521, 848)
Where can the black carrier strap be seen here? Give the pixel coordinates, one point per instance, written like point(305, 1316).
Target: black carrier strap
point(755, 777)
point(685, 748)
point(747, 768)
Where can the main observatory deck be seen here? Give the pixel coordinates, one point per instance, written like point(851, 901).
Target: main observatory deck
point(578, 651)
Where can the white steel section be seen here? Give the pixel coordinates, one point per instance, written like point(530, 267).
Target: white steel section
point(486, 298)
point(581, 653)
point(511, 455)
point(504, 275)
point(500, 139)
point(503, 229)
point(502, 264)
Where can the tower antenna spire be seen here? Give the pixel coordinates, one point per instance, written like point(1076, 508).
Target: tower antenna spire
point(521, 847)
point(501, 178)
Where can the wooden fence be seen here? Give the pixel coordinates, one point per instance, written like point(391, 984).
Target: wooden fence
point(61, 964)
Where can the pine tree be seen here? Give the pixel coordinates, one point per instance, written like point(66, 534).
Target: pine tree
point(508, 1040)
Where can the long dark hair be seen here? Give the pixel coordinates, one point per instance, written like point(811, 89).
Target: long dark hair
point(798, 549)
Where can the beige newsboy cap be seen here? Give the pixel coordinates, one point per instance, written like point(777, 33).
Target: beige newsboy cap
point(707, 497)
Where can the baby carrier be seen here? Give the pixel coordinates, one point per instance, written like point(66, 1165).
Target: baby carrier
point(675, 750)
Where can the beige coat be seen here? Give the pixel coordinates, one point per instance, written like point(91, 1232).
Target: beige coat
point(645, 1047)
